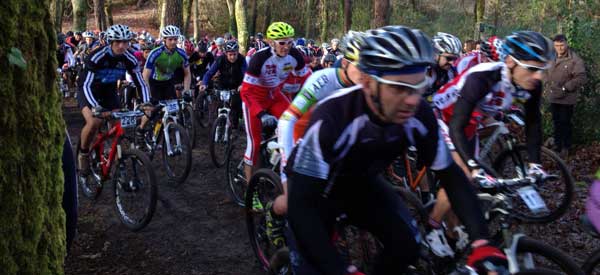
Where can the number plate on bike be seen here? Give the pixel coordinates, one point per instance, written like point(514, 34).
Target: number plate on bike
point(172, 106)
point(532, 198)
point(128, 122)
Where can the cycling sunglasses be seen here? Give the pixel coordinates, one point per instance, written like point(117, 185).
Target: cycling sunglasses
point(450, 57)
point(530, 68)
point(415, 88)
point(284, 42)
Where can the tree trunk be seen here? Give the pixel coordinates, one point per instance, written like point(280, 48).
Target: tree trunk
point(307, 17)
point(267, 15)
point(108, 13)
point(242, 27)
point(173, 11)
point(99, 15)
point(196, 19)
point(187, 12)
point(347, 15)
point(479, 13)
point(324, 21)
point(253, 15)
point(162, 7)
point(79, 15)
point(56, 11)
point(380, 13)
point(33, 131)
point(232, 21)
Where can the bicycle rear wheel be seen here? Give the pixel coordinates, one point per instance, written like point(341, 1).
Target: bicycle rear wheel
point(177, 159)
point(135, 188)
point(201, 110)
point(556, 193)
point(219, 142)
point(264, 186)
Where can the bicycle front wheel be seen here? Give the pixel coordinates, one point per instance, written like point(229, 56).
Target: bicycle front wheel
point(201, 110)
point(533, 254)
point(219, 142)
point(134, 189)
point(177, 153)
point(556, 193)
point(264, 186)
point(188, 121)
point(236, 179)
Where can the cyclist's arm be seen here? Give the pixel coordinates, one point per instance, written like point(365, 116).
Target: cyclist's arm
point(140, 82)
point(88, 79)
point(69, 58)
point(475, 88)
point(210, 73)
point(305, 200)
point(434, 154)
point(533, 125)
point(187, 77)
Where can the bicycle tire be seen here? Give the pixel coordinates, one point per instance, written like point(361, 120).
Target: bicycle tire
point(186, 153)
point(90, 192)
point(255, 219)
point(564, 188)
point(188, 121)
point(201, 110)
point(234, 168)
point(550, 253)
point(592, 263)
point(220, 122)
point(149, 205)
point(537, 271)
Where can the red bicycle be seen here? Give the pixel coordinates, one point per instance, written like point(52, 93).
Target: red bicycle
point(134, 182)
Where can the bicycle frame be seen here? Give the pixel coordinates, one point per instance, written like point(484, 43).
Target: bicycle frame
point(115, 132)
point(159, 126)
point(224, 110)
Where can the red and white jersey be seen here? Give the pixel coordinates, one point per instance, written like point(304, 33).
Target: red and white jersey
point(267, 71)
point(469, 60)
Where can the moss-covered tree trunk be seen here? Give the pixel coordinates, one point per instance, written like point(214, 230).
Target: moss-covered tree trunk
point(268, 15)
point(324, 20)
point(196, 19)
point(79, 15)
point(232, 21)
point(242, 24)
point(56, 11)
point(479, 13)
point(187, 12)
point(173, 13)
point(32, 221)
point(347, 15)
point(252, 17)
point(308, 18)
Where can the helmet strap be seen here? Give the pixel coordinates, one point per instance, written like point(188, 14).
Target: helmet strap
point(376, 101)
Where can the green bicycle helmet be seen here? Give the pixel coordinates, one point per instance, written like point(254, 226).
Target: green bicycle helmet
point(279, 30)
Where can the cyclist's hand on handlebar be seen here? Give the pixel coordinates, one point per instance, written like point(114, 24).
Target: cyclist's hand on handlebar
point(202, 87)
point(268, 120)
point(536, 170)
point(483, 179)
point(487, 259)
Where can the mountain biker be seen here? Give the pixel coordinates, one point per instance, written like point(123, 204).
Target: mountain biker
point(487, 53)
point(231, 67)
point(103, 68)
point(201, 60)
point(262, 99)
point(352, 137)
point(486, 90)
point(294, 120)
point(448, 49)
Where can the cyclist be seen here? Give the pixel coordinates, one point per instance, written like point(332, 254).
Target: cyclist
point(448, 49)
point(487, 53)
point(103, 68)
point(201, 60)
point(74, 40)
point(294, 120)
point(262, 99)
point(352, 137)
point(328, 60)
point(231, 67)
point(486, 90)
point(88, 45)
point(217, 49)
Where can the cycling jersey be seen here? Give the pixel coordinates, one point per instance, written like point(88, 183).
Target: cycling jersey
point(163, 62)
point(335, 167)
point(294, 120)
point(102, 71)
point(199, 65)
point(469, 60)
point(261, 91)
point(486, 90)
point(231, 74)
point(438, 78)
point(64, 54)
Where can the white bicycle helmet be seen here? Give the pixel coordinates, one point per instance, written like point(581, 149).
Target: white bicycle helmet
point(88, 34)
point(170, 31)
point(394, 48)
point(118, 33)
point(447, 43)
point(220, 41)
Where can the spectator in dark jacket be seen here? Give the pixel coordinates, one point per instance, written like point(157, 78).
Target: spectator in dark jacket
point(566, 76)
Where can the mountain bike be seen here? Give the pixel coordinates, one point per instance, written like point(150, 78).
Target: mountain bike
point(134, 182)
point(221, 134)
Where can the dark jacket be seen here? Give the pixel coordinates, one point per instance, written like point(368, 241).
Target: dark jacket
point(567, 72)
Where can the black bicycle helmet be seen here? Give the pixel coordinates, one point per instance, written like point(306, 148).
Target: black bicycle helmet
point(529, 45)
